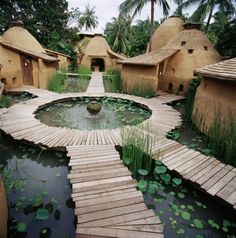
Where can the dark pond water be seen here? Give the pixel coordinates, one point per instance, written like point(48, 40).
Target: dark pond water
point(39, 193)
point(188, 213)
point(73, 114)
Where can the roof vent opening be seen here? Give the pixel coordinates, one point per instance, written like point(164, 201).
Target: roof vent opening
point(183, 43)
point(205, 48)
point(190, 51)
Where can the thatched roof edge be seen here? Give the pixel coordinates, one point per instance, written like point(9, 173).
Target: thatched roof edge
point(33, 54)
point(224, 70)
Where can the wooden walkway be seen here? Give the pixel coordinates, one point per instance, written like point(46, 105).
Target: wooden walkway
point(96, 84)
point(209, 174)
point(107, 203)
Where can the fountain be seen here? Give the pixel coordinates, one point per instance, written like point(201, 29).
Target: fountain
point(94, 107)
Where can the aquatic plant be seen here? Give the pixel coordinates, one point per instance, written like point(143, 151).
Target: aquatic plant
point(113, 77)
point(137, 146)
point(222, 139)
point(57, 81)
point(84, 73)
point(144, 90)
point(4, 101)
point(190, 97)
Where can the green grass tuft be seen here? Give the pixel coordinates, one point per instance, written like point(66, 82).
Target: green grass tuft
point(57, 81)
point(137, 148)
point(4, 101)
point(190, 97)
point(113, 76)
point(143, 90)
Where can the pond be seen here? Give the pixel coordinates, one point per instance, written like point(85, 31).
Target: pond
point(39, 193)
point(73, 114)
point(184, 211)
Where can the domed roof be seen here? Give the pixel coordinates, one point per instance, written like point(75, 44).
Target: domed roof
point(97, 46)
point(19, 36)
point(168, 29)
point(190, 39)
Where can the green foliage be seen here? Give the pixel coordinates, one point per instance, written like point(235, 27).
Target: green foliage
point(4, 101)
point(190, 96)
point(83, 71)
point(142, 185)
point(88, 19)
point(143, 90)
point(42, 214)
point(137, 145)
point(113, 76)
point(21, 227)
point(57, 81)
point(117, 34)
point(222, 139)
point(225, 43)
point(174, 135)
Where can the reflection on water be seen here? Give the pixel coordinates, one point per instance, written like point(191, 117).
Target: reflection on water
point(37, 179)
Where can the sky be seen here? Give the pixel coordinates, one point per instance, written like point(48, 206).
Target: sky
point(106, 9)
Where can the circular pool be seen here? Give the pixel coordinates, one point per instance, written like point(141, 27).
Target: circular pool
point(73, 113)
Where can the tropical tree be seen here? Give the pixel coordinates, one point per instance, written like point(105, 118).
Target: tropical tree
point(226, 43)
point(136, 6)
point(117, 33)
point(179, 10)
point(221, 19)
point(140, 36)
point(88, 18)
point(206, 8)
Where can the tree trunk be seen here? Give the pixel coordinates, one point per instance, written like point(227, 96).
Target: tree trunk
point(209, 18)
point(152, 23)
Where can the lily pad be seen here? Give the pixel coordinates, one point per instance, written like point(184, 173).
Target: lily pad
point(142, 185)
point(143, 172)
point(152, 188)
point(42, 214)
point(186, 215)
point(197, 223)
point(181, 195)
point(176, 182)
point(21, 227)
point(160, 169)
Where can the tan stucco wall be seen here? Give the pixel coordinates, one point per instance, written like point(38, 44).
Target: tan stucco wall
point(138, 75)
point(46, 70)
point(63, 63)
point(180, 67)
point(11, 70)
point(35, 72)
point(214, 96)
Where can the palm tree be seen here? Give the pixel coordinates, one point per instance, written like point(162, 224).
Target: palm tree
point(206, 8)
point(136, 7)
point(88, 18)
point(117, 33)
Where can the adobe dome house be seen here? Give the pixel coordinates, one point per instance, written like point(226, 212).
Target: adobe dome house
point(168, 29)
point(194, 50)
point(98, 55)
point(24, 60)
point(216, 95)
point(171, 67)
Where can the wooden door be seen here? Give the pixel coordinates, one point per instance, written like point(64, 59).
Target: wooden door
point(27, 69)
point(160, 76)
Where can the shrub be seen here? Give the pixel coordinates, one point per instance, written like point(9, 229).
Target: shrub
point(143, 90)
point(84, 72)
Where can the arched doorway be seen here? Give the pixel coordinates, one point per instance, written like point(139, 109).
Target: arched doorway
point(97, 64)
